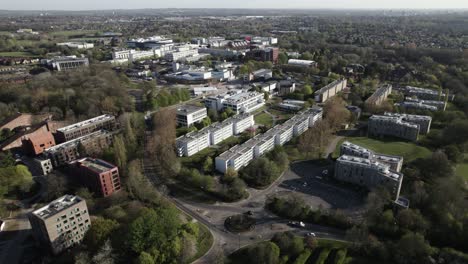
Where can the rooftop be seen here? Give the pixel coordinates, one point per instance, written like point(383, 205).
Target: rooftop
point(74, 142)
point(88, 122)
point(188, 109)
point(57, 206)
point(96, 165)
point(241, 97)
point(329, 86)
point(380, 167)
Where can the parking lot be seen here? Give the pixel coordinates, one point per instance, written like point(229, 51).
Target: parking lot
point(312, 181)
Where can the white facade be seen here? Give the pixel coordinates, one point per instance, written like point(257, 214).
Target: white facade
point(236, 157)
point(188, 115)
point(239, 102)
point(305, 63)
point(43, 165)
point(134, 55)
point(77, 45)
point(196, 141)
point(265, 143)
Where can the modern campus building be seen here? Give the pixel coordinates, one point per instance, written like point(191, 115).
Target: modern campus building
point(69, 151)
point(241, 155)
point(77, 45)
point(101, 177)
point(134, 55)
point(238, 101)
point(61, 224)
point(188, 115)
point(380, 95)
point(67, 63)
point(350, 149)
point(196, 141)
point(302, 63)
point(106, 122)
point(399, 125)
point(330, 90)
point(368, 173)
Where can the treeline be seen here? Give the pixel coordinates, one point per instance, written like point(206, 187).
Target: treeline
point(167, 97)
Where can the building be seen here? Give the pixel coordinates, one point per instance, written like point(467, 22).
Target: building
point(35, 139)
point(35, 143)
point(425, 94)
point(188, 115)
point(149, 43)
point(43, 165)
point(197, 91)
point(264, 54)
point(355, 111)
point(66, 63)
point(262, 74)
point(350, 149)
point(99, 176)
point(380, 95)
point(368, 173)
point(289, 107)
point(196, 141)
point(106, 122)
point(330, 90)
point(402, 126)
point(61, 224)
point(286, 87)
point(302, 63)
point(238, 101)
point(181, 53)
point(77, 45)
point(135, 55)
point(69, 151)
point(431, 105)
point(241, 155)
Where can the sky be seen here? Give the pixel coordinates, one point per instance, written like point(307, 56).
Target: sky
point(312, 4)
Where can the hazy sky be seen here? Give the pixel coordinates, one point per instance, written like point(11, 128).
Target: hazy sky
point(135, 4)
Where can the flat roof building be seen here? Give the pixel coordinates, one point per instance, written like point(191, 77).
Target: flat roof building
point(239, 102)
point(380, 95)
point(330, 90)
point(350, 149)
point(101, 177)
point(66, 63)
point(302, 63)
point(61, 224)
point(402, 126)
point(69, 151)
point(106, 122)
point(368, 173)
point(188, 115)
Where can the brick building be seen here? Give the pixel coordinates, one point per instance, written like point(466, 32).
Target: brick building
point(97, 175)
point(31, 139)
point(106, 122)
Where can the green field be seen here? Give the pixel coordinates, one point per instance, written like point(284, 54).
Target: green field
point(462, 170)
point(264, 119)
point(408, 150)
point(16, 54)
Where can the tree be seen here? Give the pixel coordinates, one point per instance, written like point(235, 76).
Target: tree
point(336, 113)
point(145, 258)
point(56, 186)
point(413, 220)
point(282, 58)
point(260, 172)
point(153, 228)
point(314, 140)
point(104, 255)
point(120, 152)
point(208, 165)
point(138, 185)
point(82, 258)
point(412, 248)
point(307, 89)
point(100, 232)
point(289, 244)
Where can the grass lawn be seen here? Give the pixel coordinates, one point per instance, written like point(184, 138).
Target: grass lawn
point(16, 54)
point(264, 119)
point(408, 150)
point(462, 170)
point(328, 243)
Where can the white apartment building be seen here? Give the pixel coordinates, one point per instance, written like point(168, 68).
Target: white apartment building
point(238, 156)
point(134, 55)
point(196, 141)
point(188, 115)
point(330, 90)
point(193, 142)
point(180, 53)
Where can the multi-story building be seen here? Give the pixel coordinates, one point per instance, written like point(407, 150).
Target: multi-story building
point(91, 144)
point(77, 45)
point(188, 115)
point(35, 143)
point(42, 165)
point(99, 176)
point(134, 55)
point(368, 173)
point(330, 90)
point(350, 149)
point(67, 63)
point(61, 224)
point(286, 87)
point(181, 54)
point(264, 54)
point(380, 95)
point(425, 94)
point(106, 122)
point(423, 104)
point(403, 126)
point(149, 43)
point(240, 155)
point(302, 63)
point(238, 101)
point(196, 141)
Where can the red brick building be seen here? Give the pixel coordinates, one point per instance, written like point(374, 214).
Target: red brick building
point(99, 176)
point(32, 139)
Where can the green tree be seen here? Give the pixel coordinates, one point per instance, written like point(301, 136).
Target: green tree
point(145, 258)
point(100, 232)
point(208, 165)
point(307, 89)
point(282, 58)
point(412, 248)
point(120, 152)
